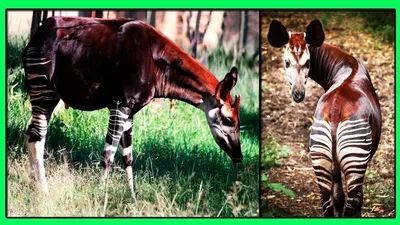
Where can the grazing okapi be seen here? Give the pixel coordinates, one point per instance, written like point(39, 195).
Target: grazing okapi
point(347, 121)
point(120, 64)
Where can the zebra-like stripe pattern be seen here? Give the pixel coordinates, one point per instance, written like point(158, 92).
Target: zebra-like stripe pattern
point(353, 151)
point(42, 94)
point(35, 60)
point(43, 99)
point(116, 127)
point(354, 140)
point(321, 156)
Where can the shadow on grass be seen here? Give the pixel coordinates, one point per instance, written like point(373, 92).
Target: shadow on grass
point(250, 123)
point(155, 154)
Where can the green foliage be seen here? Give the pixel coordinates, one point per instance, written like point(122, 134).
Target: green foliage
point(178, 168)
point(15, 46)
point(272, 153)
point(233, 58)
point(339, 18)
point(379, 23)
point(325, 19)
point(276, 187)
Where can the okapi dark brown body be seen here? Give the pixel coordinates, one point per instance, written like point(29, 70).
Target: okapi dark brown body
point(347, 121)
point(120, 64)
point(354, 98)
point(105, 60)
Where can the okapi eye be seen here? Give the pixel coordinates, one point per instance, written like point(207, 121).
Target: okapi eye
point(227, 122)
point(307, 65)
point(287, 64)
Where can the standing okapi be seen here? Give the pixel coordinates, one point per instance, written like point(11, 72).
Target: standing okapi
point(120, 64)
point(347, 121)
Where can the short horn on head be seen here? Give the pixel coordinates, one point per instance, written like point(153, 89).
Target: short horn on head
point(277, 34)
point(315, 35)
point(236, 103)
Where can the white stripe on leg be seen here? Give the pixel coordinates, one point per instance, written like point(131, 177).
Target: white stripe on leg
point(128, 152)
point(36, 152)
point(108, 161)
point(129, 176)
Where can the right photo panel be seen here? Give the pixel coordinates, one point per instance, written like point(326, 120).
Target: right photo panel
point(327, 109)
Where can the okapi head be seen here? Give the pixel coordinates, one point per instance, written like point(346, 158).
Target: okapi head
point(296, 55)
point(223, 116)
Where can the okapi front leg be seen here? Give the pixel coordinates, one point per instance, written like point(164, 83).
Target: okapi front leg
point(126, 151)
point(116, 124)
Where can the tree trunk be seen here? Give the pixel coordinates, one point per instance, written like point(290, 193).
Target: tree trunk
point(196, 35)
point(44, 14)
point(206, 28)
point(243, 31)
point(151, 17)
point(35, 21)
point(99, 13)
point(188, 34)
point(221, 38)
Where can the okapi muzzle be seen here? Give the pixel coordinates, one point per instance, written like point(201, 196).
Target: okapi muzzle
point(297, 54)
point(223, 117)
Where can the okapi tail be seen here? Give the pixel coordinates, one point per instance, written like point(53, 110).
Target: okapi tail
point(338, 194)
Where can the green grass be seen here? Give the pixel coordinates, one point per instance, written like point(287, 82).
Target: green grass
point(178, 168)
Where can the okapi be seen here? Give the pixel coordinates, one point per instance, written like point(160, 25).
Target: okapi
point(121, 65)
point(347, 121)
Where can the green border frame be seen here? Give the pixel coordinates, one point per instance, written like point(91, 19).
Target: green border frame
point(162, 4)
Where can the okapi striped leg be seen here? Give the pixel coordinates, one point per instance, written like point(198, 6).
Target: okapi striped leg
point(321, 156)
point(354, 152)
point(43, 99)
point(338, 195)
point(116, 124)
point(126, 151)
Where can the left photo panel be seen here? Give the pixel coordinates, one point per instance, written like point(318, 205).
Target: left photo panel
point(132, 113)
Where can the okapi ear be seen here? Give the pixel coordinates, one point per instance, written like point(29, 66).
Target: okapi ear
point(277, 34)
point(315, 34)
point(225, 86)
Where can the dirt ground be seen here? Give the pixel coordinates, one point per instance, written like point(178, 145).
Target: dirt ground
point(289, 122)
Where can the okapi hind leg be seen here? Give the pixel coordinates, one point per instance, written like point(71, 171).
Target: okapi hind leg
point(126, 152)
point(43, 103)
point(338, 194)
point(354, 153)
point(354, 203)
point(118, 118)
point(321, 157)
point(325, 190)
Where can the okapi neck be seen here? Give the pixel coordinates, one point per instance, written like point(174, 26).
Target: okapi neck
point(183, 78)
point(330, 66)
point(188, 80)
